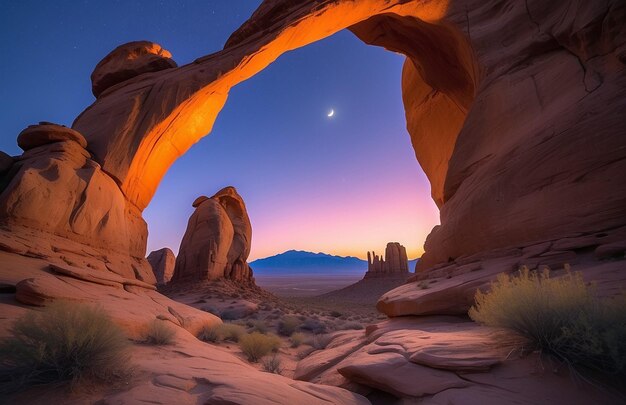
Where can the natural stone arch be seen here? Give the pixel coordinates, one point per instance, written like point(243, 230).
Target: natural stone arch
point(153, 119)
point(537, 157)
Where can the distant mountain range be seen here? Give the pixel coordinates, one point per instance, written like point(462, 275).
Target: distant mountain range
point(294, 262)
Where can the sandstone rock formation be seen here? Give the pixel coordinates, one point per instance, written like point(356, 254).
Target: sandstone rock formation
point(162, 262)
point(56, 188)
point(395, 262)
point(515, 113)
point(217, 241)
point(440, 360)
point(501, 127)
point(127, 61)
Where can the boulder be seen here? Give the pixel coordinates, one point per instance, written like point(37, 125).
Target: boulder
point(217, 241)
point(45, 133)
point(127, 61)
point(162, 262)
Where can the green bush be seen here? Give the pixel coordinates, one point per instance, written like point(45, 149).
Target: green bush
point(231, 332)
point(560, 316)
point(256, 345)
point(159, 333)
point(288, 325)
point(67, 342)
point(258, 326)
point(297, 339)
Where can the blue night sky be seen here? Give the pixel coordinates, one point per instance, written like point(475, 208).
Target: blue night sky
point(342, 185)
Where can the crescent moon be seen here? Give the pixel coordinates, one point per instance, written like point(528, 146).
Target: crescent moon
point(331, 113)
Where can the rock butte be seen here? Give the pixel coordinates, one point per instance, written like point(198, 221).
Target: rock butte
point(515, 113)
point(217, 241)
point(395, 262)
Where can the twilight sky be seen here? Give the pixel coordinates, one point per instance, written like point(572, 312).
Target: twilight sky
point(341, 185)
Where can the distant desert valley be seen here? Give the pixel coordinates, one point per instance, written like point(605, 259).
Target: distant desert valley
point(513, 110)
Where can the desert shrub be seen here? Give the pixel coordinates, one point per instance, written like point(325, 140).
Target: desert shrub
point(259, 326)
point(335, 314)
point(288, 325)
point(230, 314)
point(159, 333)
point(320, 341)
point(353, 325)
point(272, 364)
point(423, 285)
point(209, 333)
point(231, 332)
point(256, 345)
point(560, 316)
point(64, 343)
point(297, 339)
point(313, 326)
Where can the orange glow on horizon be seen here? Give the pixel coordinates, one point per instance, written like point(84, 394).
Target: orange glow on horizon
point(321, 223)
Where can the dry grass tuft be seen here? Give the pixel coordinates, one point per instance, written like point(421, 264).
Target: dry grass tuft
point(67, 342)
point(159, 333)
point(256, 345)
point(561, 316)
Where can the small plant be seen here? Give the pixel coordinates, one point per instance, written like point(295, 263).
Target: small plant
point(64, 343)
point(297, 339)
point(256, 345)
point(288, 325)
point(352, 326)
point(560, 316)
point(314, 326)
point(159, 333)
point(423, 285)
point(271, 364)
point(231, 332)
point(335, 314)
point(320, 341)
point(209, 333)
point(259, 326)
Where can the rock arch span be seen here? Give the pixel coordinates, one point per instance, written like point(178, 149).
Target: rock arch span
point(501, 102)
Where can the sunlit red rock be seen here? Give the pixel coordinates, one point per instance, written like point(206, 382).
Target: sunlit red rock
point(127, 61)
point(45, 133)
point(217, 241)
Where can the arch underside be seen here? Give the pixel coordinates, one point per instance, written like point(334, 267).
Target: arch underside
point(501, 100)
point(154, 119)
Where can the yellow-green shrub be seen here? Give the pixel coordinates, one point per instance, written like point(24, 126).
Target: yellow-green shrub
point(66, 342)
point(562, 316)
point(256, 345)
point(159, 333)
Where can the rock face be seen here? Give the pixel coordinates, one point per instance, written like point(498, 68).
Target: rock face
point(507, 128)
point(440, 360)
point(395, 262)
point(162, 262)
point(46, 133)
point(217, 241)
point(127, 61)
point(57, 188)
